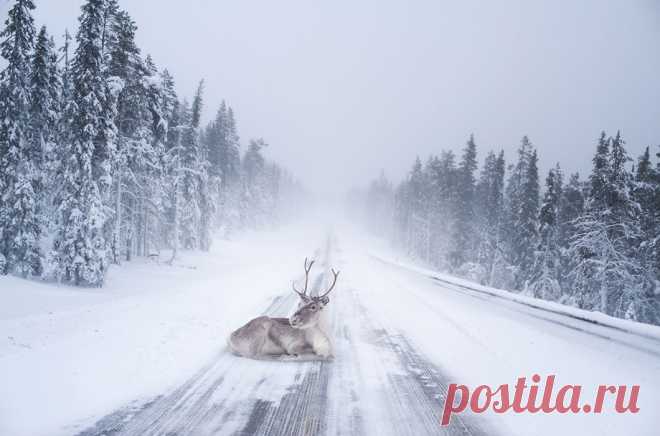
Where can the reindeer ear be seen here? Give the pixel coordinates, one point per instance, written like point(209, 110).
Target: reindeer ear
point(325, 300)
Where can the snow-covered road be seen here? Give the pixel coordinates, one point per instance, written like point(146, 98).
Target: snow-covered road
point(377, 384)
point(401, 335)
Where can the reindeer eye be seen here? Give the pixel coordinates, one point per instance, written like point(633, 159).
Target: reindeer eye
point(313, 306)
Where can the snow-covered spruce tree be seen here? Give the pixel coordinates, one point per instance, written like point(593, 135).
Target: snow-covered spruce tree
point(417, 227)
point(521, 218)
point(172, 163)
point(80, 245)
point(45, 105)
point(67, 86)
point(45, 114)
point(109, 14)
point(188, 208)
point(432, 194)
point(443, 198)
point(197, 206)
point(546, 272)
point(464, 228)
point(230, 160)
point(140, 134)
point(647, 194)
point(213, 139)
point(607, 275)
point(221, 143)
point(254, 185)
point(601, 174)
point(231, 154)
point(528, 220)
point(20, 155)
point(155, 192)
point(401, 213)
point(571, 207)
point(490, 207)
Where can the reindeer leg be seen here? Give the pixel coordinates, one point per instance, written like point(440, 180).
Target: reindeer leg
point(321, 346)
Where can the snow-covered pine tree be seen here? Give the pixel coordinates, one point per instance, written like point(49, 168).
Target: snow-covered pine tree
point(571, 207)
point(20, 155)
point(419, 239)
point(154, 174)
point(140, 132)
point(490, 207)
point(67, 92)
point(401, 214)
point(45, 96)
point(213, 140)
point(45, 114)
point(464, 227)
point(440, 194)
point(172, 164)
point(231, 176)
point(521, 218)
point(546, 273)
point(601, 173)
point(109, 14)
point(231, 153)
point(528, 219)
point(197, 208)
point(80, 245)
point(647, 195)
point(254, 185)
point(607, 275)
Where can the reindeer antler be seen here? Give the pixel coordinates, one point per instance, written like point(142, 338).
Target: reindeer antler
point(334, 282)
point(308, 268)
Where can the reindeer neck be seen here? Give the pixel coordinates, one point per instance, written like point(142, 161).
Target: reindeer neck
point(314, 332)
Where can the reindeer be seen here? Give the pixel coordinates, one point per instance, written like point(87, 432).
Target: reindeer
point(266, 337)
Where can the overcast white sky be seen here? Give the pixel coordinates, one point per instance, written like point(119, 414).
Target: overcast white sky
point(343, 88)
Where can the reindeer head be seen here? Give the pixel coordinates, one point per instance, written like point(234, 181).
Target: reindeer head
point(310, 307)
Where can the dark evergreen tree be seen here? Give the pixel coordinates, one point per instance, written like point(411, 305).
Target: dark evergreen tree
point(464, 228)
point(608, 275)
point(490, 208)
point(141, 131)
point(196, 208)
point(521, 219)
point(67, 86)
point(80, 246)
point(45, 115)
point(647, 195)
point(600, 176)
point(440, 195)
point(254, 189)
point(20, 155)
point(546, 273)
point(571, 207)
point(528, 220)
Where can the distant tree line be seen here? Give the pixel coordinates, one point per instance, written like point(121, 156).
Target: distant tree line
point(592, 244)
point(101, 161)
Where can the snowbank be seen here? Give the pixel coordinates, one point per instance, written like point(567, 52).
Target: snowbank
point(599, 318)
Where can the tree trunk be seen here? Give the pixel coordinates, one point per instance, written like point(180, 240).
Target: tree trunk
point(117, 235)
